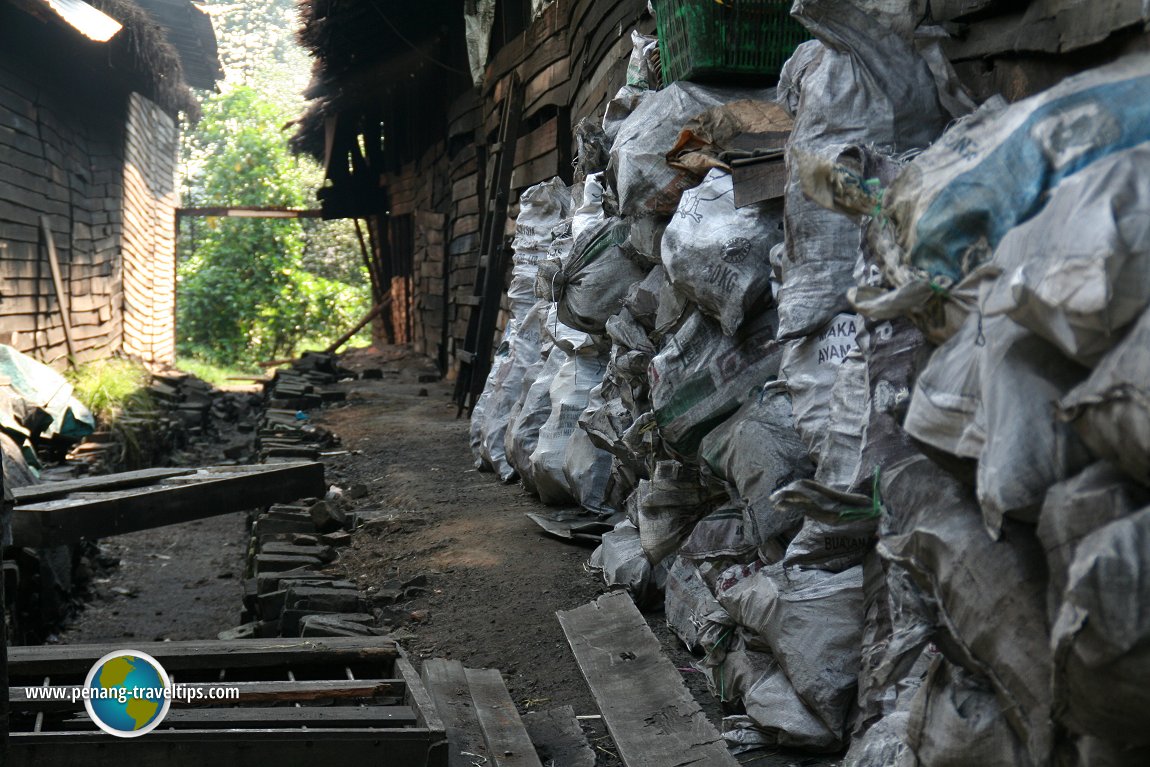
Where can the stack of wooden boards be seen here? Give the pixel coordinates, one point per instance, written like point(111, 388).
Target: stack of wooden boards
point(651, 716)
point(483, 726)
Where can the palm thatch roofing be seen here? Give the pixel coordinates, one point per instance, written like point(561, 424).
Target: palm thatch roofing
point(142, 53)
point(189, 29)
point(401, 61)
point(138, 57)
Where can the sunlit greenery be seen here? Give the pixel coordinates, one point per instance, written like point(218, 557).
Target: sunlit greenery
point(112, 386)
point(252, 289)
point(218, 375)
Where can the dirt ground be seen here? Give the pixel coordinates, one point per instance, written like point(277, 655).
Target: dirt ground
point(176, 582)
point(467, 574)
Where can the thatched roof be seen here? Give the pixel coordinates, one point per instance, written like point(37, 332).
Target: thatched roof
point(114, 41)
point(151, 64)
point(377, 55)
point(189, 30)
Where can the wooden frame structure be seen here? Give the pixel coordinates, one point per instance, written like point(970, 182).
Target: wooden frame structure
point(302, 702)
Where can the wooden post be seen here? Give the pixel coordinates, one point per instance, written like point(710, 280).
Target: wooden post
point(5, 527)
point(58, 283)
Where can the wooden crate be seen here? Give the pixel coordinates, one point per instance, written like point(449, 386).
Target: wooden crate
point(338, 701)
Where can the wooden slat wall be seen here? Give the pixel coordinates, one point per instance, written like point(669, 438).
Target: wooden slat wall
point(66, 165)
point(1003, 48)
point(149, 249)
point(420, 193)
point(463, 218)
point(570, 60)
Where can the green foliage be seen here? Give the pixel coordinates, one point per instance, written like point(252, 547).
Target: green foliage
point(216, 375)
point(252, 289)
point(254, 34)
point(111, 387)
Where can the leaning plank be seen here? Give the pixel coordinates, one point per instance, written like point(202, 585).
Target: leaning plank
point(446, 683)
point(558, 738)
point(99, 515)
point(52, 490)
point(58, 284)
point(649, 712)
point(67, 660)
point(508, 744)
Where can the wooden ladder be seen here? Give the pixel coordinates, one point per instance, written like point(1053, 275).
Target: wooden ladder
point(475, 358)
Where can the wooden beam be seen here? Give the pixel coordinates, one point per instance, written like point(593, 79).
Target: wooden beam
point(247, 211)
point(249, 692)
point(375, 310)
point(61, 661)
point(649, 712)
point(446, 683)
point(126, 479)
point(221, 490)
point(558, 737)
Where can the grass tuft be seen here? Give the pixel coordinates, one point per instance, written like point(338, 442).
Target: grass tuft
point(112, 387)
point(216, 375)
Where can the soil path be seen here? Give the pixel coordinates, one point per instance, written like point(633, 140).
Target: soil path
point(461, 571)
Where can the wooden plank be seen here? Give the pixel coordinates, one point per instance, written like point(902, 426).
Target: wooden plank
point(416, 696)
point(508, 743)
point(65, 660)
point(539, 169)
point(408, 747)
point(249, 692)
point(251, 211)
point(536, 143)
point(558, 738)
point(1046, 26)
point(758, 181)
point(648, 711)
point(99, 515)
point(446, 684)
point(284, 717)
point(58, 284)
point(35, 493)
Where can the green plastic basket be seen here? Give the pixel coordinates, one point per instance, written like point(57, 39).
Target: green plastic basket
point(732, 40)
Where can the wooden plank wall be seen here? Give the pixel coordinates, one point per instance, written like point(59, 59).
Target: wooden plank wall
point(69, 166)
point(420, 194)
point(149, 248)
point(573, 58)
point(1002, 47)
point(570, 61)
point(463, 219)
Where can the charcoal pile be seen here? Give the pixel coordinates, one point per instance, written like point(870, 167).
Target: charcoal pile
point(179, 421)
point(287, 590)
point(302, 385)
point(285, 432)
point(879, 442)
